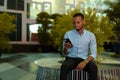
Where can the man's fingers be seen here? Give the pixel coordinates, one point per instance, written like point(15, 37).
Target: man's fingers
point(68, 45)
point(78, 68)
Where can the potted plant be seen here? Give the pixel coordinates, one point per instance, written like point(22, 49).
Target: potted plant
point(6, 27)
point(44, 39)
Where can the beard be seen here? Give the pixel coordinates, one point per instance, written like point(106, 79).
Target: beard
point(79, 28)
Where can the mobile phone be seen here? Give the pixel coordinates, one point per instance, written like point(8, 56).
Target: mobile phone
point(68, 40)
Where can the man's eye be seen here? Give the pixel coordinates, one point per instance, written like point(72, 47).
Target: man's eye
point(76, 22)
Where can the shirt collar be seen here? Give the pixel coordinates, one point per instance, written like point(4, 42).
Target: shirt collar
point(77, 32)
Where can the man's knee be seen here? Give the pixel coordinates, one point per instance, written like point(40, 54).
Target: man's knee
point(65, 65)
point(68, 65)
point(92, 66)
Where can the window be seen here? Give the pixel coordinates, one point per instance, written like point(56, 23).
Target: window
point(33, 9)
point(36, 0)
point(11, 4)
point(32, 32)
point(1, 2)
point(20, 5)
point(68, 8)
point(82, 6)
point(70, 1)
point(16, 36)
point(47, 7)
point(15, 4)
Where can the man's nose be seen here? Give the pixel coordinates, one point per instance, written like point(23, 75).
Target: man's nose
point(75, 24)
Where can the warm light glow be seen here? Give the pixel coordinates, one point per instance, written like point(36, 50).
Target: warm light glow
point(70, 1)
point(34, 28)
point(37, 0)
point(35, 8)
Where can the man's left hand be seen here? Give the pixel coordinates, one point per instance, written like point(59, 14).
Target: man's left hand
point(81, 65)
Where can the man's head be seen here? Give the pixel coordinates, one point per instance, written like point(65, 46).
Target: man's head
point(78, 20)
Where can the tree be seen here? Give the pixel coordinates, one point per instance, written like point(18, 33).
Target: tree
point(54, 17)
point(100, 27)
point(113, 12)
point(43, 18)
point(62, 24)
point(6, 27)
point(44, 38)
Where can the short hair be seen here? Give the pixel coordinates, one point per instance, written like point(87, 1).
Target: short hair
point(78, 15)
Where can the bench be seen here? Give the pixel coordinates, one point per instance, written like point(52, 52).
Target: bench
point(44, 73)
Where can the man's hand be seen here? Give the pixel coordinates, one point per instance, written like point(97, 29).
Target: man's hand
point(66, 46)
point(81, 65)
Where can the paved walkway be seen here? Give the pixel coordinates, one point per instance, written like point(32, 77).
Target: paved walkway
point(21, 66)
point(108, 60)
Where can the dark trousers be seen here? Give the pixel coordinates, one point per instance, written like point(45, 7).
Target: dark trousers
point(71, 63)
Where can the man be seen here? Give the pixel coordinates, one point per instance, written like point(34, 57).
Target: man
point(76, 52)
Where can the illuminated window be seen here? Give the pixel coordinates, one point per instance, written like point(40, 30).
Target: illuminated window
point(68, 8)
point(36, 0)
point(33, 9)
point(47, 7)
point(32, 32)
point(82, 6)
point(70, 1)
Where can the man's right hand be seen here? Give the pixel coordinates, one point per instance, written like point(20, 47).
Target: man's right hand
point(67, 45)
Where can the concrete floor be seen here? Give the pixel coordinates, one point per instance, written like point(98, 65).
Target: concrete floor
point(22, 66)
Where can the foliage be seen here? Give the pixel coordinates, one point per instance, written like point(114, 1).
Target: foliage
point(54, 16)
point(44, 38)
point(100, 27)
point(43, 32)
point(44, 19)
point(62, 25)
point(6, 27)
point(113, 12)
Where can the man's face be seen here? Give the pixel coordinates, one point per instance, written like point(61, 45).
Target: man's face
point(78, 23)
